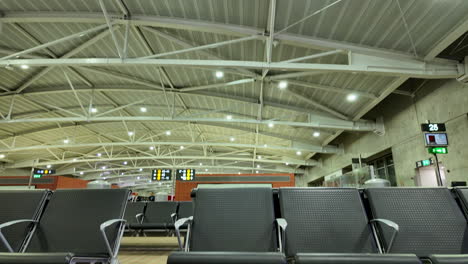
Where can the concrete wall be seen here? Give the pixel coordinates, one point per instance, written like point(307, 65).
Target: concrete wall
point(443, 101)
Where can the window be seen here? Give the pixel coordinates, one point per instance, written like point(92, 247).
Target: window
point(384, 168)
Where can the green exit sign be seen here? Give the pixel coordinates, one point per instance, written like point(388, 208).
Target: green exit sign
point(426, 162)
point(438, 150)
point(37, 176)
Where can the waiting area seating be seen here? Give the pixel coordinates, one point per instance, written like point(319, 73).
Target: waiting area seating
point(231, 225)
point(326, 226)
point(157, 216)
point(76, 226)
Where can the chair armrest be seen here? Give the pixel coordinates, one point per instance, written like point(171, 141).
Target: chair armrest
point(174, 217)
point(177, 226)
point(139, 217)
point(391, 224)
point(10, 223)
point(104, 226)
point(282, 224)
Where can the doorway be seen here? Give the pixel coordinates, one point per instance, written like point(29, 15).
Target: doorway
point(426, 176)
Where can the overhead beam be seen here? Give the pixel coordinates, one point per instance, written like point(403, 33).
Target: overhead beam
point(359, 64)
point(324, 123)
point(292, 146)
point(196, 25)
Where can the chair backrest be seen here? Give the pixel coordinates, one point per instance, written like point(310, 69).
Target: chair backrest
point(462, 194)
point(71, 221)
point(159, 212)
point(234, 219)
point(430, 220)
point(325, 220)
point(132, 210)
point(185, 209)
point(16, 205)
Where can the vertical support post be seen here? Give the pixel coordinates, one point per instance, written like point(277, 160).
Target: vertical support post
point(439, 178)
point(31, 175)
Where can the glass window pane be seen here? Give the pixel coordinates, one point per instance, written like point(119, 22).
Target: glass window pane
point(391, 175)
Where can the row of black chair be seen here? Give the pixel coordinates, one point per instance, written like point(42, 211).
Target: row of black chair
point(66, 226)
point(156, 215)
point(325, 226)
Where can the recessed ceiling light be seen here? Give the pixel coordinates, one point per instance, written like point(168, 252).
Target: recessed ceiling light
point(182, 147)
point(138, 177)
point(93, 110)
point(141, 169)
point(66, 141)
point(256, 171)
point(149, 181)
point(24, 67)
point(131, 133)
point(238, 172)
point(143, 109)
point(125, 162)
point(201, 164)
point(74, 160)
point(103, 167)
point(232, 139)
point(287, 163)
point(351, 97)
point(283, 85)
point(271, 125)
point(298, 153)
point(316, 134)
point(49, 166)
point(122, 173)
point(265, 145)
point(229, 117)
point(151, 148)
point(99, 154)
point(258, 165)
point(168, 133)
point(81, 173)
point(2, 156)
point(219, 74)
point(259, 157)
point(206, 169)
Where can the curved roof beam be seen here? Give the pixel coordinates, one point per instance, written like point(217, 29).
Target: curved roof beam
point(197, 25)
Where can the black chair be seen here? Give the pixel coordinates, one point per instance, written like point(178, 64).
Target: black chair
point(19, 211)
point(432, 226)
point(329, 225)
point(230, 225)
point(462, 195)
point(77, 226)
point(158, 216)
point(134, 212)
point(185, 210)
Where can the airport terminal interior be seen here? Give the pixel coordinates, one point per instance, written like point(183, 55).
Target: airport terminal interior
point(234, 131)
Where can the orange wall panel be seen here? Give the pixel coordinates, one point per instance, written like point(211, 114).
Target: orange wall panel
point(183, 188)
point(70, 183)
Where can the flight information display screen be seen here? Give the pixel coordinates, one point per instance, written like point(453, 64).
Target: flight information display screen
point(161, 175)
point(43, 172)
point(185, 174)
point(436, 139)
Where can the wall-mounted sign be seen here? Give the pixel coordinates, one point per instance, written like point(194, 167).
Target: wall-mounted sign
point(43, 172)
point(438, 150)
point(433, 127)
point(424, 163)
point(436, 139)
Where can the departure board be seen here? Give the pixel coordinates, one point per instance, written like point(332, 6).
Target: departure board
point(43, 172)
point(185, 174)
point(161, 175)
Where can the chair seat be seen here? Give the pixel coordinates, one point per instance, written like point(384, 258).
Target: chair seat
point(226, 258)
point(449, 259)
point(35, 258)
point(359, 258)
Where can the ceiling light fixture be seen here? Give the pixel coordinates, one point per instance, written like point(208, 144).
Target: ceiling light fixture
point(232, 139)
point(24, 67)
point(287, 163)
point(259, 157)
point(103, 167)
point(168, 133)
point(219, 74)
point(49, 166)
point(351, 97)
point(283, 85)
point(143, 109)
point(93, 110)
point(66, 141)
point(81, 173)
point(2, 156)
point(229, 117)
point(316, 134)
point(131, 133)
point(141, 169)
point(271, 125)
point(99, 154)
point(298, 153)
point(151, 148)
point(125, 162)
point(182, 147)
